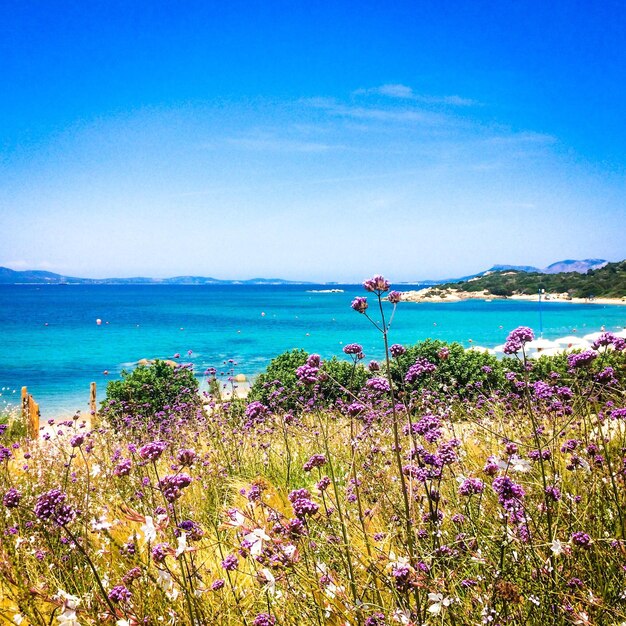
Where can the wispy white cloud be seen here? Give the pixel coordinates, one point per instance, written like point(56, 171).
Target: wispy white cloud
point(333, 107)
point(279, 144)
point(404, 92)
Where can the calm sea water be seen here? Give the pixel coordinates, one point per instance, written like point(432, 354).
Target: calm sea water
point(49, 340)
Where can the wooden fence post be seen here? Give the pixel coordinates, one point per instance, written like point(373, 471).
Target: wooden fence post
point(24, 403)
point(93, 406)
point(33, 418)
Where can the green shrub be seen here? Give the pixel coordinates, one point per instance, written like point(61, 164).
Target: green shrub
point(13, 426)
point(278, 386)
point(457, 369)
point(151, 391)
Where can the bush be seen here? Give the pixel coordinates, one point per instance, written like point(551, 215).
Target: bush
point(279, 386)
point(457, 369)
point(150, 393)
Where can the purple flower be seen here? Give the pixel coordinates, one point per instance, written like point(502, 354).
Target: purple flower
point(264, 619)
point(397, 350)
point(171, 486)
point(581, 539)
point(419, 368)
point(255, 411)
point(471, 486)
point(394, 297)
point(307, 374)
point(378, 619)
point(152, 451)
point(12, 498)
point(359, 304)
point(186, 457)
point(317, 460)
point(509, 493)
point(378, 384)
point(230, 563)
point(542, 390)
point(376, 284)
point(51, 506)
point(373, 366)
point(218, 584)
point(353, 348)
point(77, 440)
point(160, 552)
point(517, 338)
point(314, 360)
point(581, 359)
point(123, 468)
point(119, 594)
point(605, 339)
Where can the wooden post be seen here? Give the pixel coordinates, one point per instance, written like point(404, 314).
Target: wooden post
point(33, 418)
point(24, 403)
point(93, 406)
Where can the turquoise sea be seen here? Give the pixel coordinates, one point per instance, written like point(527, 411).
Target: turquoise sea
point(50, 342)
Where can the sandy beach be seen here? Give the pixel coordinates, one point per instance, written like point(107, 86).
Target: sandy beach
point(434, 294)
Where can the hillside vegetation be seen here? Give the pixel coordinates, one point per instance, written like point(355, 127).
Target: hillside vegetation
point(607, 282)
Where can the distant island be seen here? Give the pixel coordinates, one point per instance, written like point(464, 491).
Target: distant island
point(606, 284)
point(38, 277)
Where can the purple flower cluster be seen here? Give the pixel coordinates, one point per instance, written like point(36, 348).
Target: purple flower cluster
point(50, 506)
point(307, 374)
point(418, 369)
point(378, 383)
point(581, 539)
point(230, 563)
point(153, 450)
point(609, 339)
point(509, 493)
point(302, 504)
point(359, 304)
point(160, 552)
point(394, 297)
point(429, 427)
point(581, 359)
point(172, 486)
point(77, 440)
point(11, 499)
point(471, 486)
point(255, 412)
point(186, 457)
point(119, 594)
point(376, 284)
point(317, 460)
point(123, 468)
point(517, 338)
point(264, 619)
point(397, 350)
point(353, 349)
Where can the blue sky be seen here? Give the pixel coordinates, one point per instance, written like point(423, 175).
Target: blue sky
point(321, 141)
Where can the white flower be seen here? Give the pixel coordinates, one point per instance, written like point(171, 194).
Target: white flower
point(166, 582)
point(403, 616)
point(101, 524)
point(515, 463)
point(68, 616)
point(255, 540)
point(149, 530)
point(182, 544)
point(557, 547)
point(439, 602)
point(18, 618)
point(95, 470)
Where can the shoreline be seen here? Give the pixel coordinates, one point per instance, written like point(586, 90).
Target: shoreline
point(433, 294)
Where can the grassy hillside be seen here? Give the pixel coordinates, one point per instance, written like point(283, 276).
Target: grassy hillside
point(607, 282)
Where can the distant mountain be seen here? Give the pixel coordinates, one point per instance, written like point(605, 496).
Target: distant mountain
point(581, 267)
point(34, 277)
point(560, 267)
